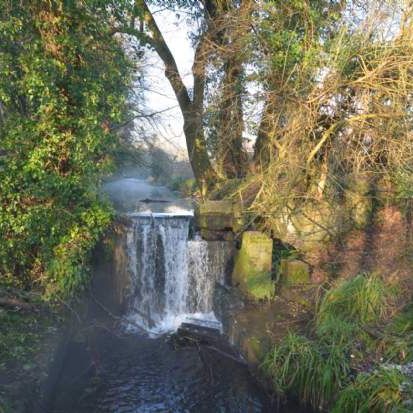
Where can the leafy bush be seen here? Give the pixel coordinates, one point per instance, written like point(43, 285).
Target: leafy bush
point(63, 85)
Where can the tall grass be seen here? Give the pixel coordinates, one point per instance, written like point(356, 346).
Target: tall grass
point(383, 390)
point(397, 343)
point(363, 299)
point(318, 367)
point(308, 370)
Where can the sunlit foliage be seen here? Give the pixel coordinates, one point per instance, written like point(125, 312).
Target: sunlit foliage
point(63, 84)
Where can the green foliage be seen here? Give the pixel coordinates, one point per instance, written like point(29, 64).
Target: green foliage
point(360, 300)
point(301, 31)
point(63, 85)
point(319, 368)
point(397, 342)
point(383, 390)
point(186, 187)
point(19, 337)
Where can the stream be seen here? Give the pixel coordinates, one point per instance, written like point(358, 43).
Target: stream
point(140, 364)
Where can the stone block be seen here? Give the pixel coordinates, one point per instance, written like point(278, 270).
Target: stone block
point(253, 263)
point(219, 216)
point(208, 235)
point(295, 271)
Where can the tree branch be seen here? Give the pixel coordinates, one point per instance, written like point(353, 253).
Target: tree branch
point(157, 41)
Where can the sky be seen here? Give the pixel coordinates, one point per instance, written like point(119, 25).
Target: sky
point(159, 96)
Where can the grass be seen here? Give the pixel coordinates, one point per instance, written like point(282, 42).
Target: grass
point(362, 299)
point(384, 390)
point(308, 369)
point(397, 343)
point(330, 364)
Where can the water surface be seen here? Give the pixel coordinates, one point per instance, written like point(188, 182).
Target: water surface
point(131, 373)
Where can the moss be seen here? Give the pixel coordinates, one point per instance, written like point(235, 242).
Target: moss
point(254, 349)
point(295, 271)
point(260, 285)
point(253, 263)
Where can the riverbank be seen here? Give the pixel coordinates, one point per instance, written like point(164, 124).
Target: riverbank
point(356, 354)
point(29, 337)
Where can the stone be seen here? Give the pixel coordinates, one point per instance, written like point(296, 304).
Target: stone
point(253, 264)
point(224, 215)
point(208, 235)
point(358, 199)
point(254, 349)
point(295, 271)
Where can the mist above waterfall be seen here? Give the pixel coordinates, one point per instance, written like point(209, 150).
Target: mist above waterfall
point(138, 195)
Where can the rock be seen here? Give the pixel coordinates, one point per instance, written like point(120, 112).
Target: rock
point(358, 199)
point(253, 263)
point(295, 271)
point(209, 235)
point(218, 216)
point(254, 349)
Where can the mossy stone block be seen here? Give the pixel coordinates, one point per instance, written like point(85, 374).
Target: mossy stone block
point(252, 269)
point(295, 271)
point(215, 207)
point(254, 350)
point(221, 215)
point(215, 215)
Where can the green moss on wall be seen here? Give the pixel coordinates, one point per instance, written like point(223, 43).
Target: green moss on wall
point(252, 270)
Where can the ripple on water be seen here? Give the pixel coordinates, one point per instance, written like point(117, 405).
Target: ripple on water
point(143, 375)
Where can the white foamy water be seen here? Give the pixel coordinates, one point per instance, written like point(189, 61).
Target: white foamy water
point(172, 275)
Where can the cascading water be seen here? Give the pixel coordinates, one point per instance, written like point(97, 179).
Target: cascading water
point(171, 274)
point(163, 278)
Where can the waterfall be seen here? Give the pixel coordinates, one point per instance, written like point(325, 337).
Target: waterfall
point(173, 276)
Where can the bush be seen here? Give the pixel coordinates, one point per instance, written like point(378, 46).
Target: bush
point(60, 94)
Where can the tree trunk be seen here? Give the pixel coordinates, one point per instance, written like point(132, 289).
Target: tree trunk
point(229, 24)
point(191, 109)
point(231, 122)
point(263, 149)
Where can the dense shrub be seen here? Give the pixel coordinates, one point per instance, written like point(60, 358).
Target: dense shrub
point(64, 81)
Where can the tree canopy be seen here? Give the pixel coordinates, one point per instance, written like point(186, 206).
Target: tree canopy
point(64, 82)
point(328, 84)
